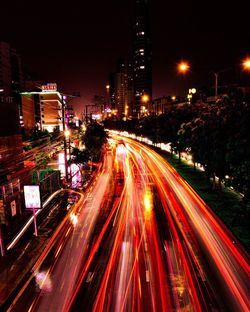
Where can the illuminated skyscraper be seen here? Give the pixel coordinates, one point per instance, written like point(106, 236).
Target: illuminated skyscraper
point(123, 89)
point(142, 58)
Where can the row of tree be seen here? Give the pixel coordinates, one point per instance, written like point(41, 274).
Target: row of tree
point(216, 135)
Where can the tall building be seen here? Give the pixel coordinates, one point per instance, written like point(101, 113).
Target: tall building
point(122, 89)
point(142, 58)
point(42, 109)
point(11, 83)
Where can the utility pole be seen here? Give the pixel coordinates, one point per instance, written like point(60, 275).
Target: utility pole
point(64, 96)
point(64, 140)
point(86, 112)
point(216, 85)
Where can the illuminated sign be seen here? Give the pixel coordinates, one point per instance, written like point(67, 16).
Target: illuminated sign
point(49, 87)
point(32, 196)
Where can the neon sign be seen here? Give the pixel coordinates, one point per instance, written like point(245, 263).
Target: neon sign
point(49, 87)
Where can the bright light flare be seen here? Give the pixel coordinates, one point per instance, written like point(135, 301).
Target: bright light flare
point(183, 67)
point(147, 204)
point(73, 218)
point(121, 150)
point(145, 98)
point(43, 281)
point(246, 64)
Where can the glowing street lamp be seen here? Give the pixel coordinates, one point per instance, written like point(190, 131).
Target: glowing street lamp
point(246, 64)
point(183, 67)
point(145, 98)
point(144, 104)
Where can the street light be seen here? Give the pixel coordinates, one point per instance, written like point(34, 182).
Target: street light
point(65, 98)
point(183, 67)
point(246, 64)
point(145, 98)
point(216, 84)
point(144, 107)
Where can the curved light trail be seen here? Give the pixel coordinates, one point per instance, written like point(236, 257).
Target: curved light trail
point(143, 240)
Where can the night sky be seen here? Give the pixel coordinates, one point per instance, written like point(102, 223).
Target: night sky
point(77, 43)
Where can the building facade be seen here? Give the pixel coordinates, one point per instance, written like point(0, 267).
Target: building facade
point(121, 89)
point(42, 109)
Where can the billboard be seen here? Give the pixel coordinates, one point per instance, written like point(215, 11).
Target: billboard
point(32, 196)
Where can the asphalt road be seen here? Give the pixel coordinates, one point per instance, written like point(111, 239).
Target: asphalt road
point(140, 240)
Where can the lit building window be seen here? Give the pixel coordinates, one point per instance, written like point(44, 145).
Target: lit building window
point(142, 67)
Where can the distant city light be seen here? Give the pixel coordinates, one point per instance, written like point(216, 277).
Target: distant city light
point(192, 91)
point(96, 116)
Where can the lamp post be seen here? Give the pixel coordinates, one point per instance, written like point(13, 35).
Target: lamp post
point(216, 75)
point(108, 97)
point(183, 67)
point(65, 97)
point(144, 107)
point(245, 66)
point(64, 140)
point(216, 85)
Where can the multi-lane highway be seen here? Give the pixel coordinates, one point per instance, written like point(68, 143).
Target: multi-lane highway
point(140, 240)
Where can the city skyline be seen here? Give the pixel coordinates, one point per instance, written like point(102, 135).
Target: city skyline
point(78, 46)
point(124, 156)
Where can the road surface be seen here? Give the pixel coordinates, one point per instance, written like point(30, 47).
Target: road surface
point(141, 240)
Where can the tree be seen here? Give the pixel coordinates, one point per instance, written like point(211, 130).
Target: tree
point(94, 138)
point(79, 158)
point(42, 161)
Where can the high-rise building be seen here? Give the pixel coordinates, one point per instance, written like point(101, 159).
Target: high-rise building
point(122, 89)
point(142, 58)
point(11, 83)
